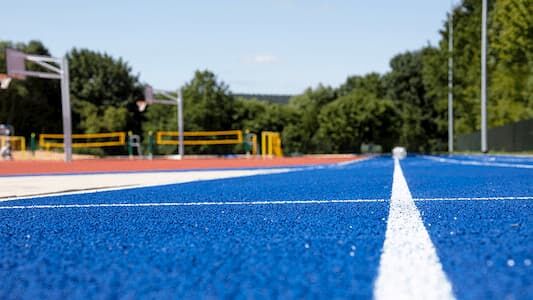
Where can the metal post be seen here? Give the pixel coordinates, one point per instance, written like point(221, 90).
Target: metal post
point(65, 106)
point(450, 82)
point(150, 144)
point(33, 144)
point(484, 147)
point(181, 148)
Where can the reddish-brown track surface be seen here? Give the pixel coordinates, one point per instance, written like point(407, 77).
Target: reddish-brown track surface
point(126, 165)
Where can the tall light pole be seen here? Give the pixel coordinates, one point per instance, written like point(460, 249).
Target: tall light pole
point(484, 147)
point(450, 81)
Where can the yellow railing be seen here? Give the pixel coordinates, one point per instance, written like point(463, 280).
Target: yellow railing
point(254, 144)
point(271, 144)
point(55, 140)
point(18, 143)
point(231, 137)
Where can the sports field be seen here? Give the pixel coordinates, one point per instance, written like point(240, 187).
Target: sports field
point(426, 227)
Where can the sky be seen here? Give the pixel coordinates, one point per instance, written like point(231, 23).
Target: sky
point(261, 47)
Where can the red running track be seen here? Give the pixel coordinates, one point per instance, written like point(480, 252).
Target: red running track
point(126, 165)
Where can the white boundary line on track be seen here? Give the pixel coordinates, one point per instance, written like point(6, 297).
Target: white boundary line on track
point(476, 163)
point(475, 198)
point(155, 204)
point(250, 203)
point(409, 266)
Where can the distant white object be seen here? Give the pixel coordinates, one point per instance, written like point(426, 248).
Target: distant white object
point(4, 81)
point(399, 152)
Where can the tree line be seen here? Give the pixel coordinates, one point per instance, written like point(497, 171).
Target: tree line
point(405, 106)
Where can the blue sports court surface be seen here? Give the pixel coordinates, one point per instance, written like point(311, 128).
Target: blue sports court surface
point(424, 227)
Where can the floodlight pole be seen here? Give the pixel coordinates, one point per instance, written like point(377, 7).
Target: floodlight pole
point(484, 147)
point(450, 81)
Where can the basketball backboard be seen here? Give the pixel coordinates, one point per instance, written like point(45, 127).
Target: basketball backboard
point(15, 63)
point(149, 94)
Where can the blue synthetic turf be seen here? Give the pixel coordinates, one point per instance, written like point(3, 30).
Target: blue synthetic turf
point(430, 179)
point(294, 251)
point(297, 251)
point(477, 240)
point(271, 251)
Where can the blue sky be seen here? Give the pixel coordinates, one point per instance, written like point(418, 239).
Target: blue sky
point(270, 46)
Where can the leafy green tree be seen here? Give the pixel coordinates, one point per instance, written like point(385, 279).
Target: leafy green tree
point(371, 83)
point(356, 118)
point(102, 86)
point(408, 88)
point(95, 119)
point(308, 106)
point(511, 48)
point(208, 103)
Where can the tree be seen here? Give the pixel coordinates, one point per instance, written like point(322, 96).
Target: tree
point(371, 83)
point(356, 118)
point(208, 103)
point(407, 88)
point(308, 106)
point(102, 86)
point(511, 80)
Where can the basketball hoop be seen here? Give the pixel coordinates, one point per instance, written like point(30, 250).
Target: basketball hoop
point(141, 104)
point(4, 81)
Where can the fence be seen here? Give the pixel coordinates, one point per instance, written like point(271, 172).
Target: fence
point(227, 137)
point(515, 137)
point(55, 140)
point(18, 143)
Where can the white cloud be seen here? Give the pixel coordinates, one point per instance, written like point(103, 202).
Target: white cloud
point(262, 59)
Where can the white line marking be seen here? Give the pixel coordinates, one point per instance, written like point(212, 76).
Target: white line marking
point(477, 163)
point(476, 198)
point(409, 266)
point(154, 204)
point(354, 161)
point(222, 203)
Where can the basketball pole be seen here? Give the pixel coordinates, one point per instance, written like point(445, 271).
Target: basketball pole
point(181, 148)
point(65, 104)
point(170, 100)
point(58, 69)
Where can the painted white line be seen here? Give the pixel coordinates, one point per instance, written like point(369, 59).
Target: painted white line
point(156, 204)
point(476, 163)
point(244, 203)
point(354, 161)
point(476, 198)
point(409, 266)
